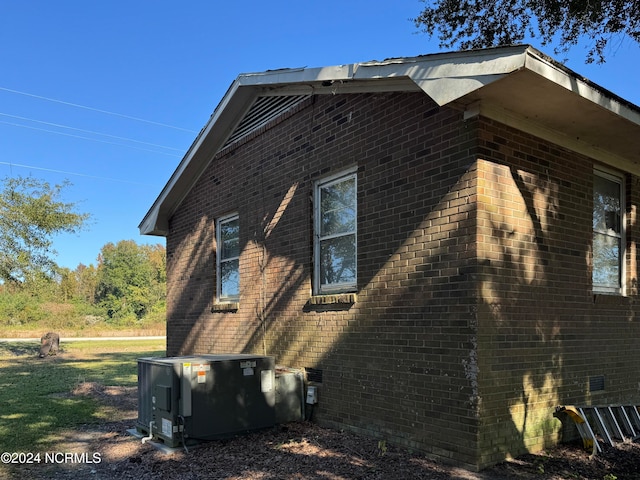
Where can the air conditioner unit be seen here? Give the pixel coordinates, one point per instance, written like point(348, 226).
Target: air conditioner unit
point(203, 397)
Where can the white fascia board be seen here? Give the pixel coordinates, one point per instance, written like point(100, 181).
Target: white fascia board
point(149, 224)
point(447, 77)
point(444, 77)
point(296, 76)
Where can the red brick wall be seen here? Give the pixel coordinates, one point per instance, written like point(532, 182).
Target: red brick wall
point(542, 331)
point(474, 313)
point(393, 363)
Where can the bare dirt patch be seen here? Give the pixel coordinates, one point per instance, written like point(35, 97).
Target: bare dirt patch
point(294, 451)
point(123, 398)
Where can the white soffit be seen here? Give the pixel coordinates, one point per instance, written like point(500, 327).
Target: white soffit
point(549, 101)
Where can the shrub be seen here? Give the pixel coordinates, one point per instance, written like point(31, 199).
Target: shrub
point(19, 308)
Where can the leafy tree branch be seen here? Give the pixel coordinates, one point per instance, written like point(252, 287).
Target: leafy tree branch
point(469, 24)
point(31, 214)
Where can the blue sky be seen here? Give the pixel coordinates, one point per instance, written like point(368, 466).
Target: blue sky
point(110, 95)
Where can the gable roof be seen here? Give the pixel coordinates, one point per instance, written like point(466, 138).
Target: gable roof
point(516, 85)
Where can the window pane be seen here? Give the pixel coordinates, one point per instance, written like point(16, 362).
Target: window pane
point(607, 233)
point(229, 238)
point(227, 260)
point(606, 205)
point(338, 208)
point(606, 261)
point(338, 260)
point(229, 279)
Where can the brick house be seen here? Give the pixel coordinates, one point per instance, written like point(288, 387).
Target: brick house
point(448, 244)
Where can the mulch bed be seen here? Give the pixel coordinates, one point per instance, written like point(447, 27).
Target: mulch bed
point(296, 451)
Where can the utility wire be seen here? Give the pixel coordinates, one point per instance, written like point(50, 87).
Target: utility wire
point(89, 138)
point(85, 131)
point(106, 112)
point(77, 174)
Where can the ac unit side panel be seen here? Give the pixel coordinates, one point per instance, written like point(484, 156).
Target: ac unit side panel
point(212, 396)
point(158, 397)
point(144, 394)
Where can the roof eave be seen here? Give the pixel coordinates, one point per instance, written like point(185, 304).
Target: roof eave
point(428, 73)
point(456, 78)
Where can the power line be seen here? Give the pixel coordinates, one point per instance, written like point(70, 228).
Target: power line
point(106, 112)
point(85, 131)
point(77, 174)
point(89, 138)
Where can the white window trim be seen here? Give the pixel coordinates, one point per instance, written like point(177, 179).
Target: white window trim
point(618, 178)
point(220, 260)
point(319, 289)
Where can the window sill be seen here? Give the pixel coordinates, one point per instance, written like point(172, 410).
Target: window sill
point(338, 298)
point(225, 307)
point(610, 299)
point(338, 301)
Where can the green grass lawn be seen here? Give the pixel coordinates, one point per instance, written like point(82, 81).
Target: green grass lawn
point(35, 400)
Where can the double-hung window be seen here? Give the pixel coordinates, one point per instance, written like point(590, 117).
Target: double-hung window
point(228, 258)
point(608, 233)
point(335, 219)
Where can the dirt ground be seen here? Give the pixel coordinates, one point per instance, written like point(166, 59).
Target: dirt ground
point(294, 451)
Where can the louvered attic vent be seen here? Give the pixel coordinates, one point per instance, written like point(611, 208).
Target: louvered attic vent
point(263, 110)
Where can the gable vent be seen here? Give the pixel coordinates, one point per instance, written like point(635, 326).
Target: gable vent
point(263, 110)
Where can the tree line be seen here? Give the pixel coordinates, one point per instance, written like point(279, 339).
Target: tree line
point(126, 286)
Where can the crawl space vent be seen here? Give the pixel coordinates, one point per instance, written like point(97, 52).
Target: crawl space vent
point(596, 383)
point(314, 375)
